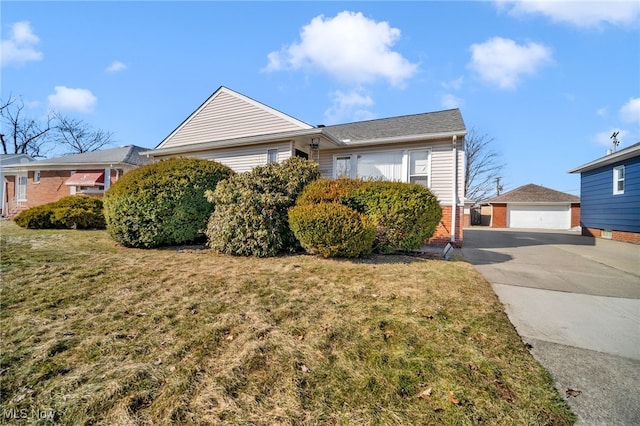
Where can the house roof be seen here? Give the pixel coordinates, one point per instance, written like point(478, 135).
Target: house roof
point(534, 194)
point(430, 123)
point(624, 154)
point(129, 154)
point(219, 123)
point(6, 159)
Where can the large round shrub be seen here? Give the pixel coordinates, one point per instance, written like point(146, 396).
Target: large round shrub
point(162, 203)
point(328, 190)
point(332, 230)
point(405, 215)
point(250, 216)
point(74, 211)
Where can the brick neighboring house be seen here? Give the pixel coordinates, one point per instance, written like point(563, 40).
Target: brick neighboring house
point(537, 207)
point(91, 173)
point(7, 160)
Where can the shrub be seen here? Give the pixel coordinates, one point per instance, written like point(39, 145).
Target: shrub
point(332, 230)
point(162, 203)
point(74, 211)
point(250, 216)
point(405, 215)
point(328, 190)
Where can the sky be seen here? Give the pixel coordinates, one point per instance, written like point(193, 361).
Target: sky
point(547, 81)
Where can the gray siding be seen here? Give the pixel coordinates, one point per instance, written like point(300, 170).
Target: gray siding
point(227, 116)
point(243, 159)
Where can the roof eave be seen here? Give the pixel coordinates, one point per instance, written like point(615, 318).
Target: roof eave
point(64, 166)
point(607, 160)
point(249, 140)
point(407, 138)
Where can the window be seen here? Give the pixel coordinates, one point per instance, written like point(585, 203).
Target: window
point(36, 176)
point(21, 188)
point(272, 156)
point(401, 166)
point(419, 167)
point(342, 166)
point(618, 180)
point(381, 166)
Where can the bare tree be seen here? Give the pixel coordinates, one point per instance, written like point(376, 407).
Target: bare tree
point(78, 136)
point(482, 166)
point(22, 135)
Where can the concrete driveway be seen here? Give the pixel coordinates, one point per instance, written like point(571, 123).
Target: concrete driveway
point(576, 301)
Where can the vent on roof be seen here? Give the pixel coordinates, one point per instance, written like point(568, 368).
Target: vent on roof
point(320, 126)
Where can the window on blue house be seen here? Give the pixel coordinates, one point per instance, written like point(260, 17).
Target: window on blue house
point(618, 180)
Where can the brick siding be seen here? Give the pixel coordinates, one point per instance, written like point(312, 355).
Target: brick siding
point(624, 236)
point(499, 216)
point(575, 214)
point(442, 236)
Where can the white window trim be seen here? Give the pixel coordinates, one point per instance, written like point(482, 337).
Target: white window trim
point(21, 195)
point(429, 161)
point(36, 176)
point(405, 162)
point(269, 152)
point(616, 179)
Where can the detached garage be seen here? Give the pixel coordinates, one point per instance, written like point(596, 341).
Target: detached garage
point(537, 207)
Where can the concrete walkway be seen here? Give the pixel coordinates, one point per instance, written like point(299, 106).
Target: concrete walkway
point(576, 300)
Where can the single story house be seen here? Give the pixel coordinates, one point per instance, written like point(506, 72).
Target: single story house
point(537, 207)
point(610, 191)
point(7, 160)
point(242, 133)
point(91, 173)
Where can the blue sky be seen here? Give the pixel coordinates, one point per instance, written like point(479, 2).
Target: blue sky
point(548, 81)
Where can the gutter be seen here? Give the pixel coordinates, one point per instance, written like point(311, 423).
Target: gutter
point(409, 138)
point(454, 195)
point(248, 140)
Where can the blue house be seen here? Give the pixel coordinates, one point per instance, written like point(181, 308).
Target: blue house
point(610, 195)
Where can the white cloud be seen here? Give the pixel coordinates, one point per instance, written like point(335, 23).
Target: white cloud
point(604, 138)
point(578, 13)
point(349, 47)
point(503, 62)
point(19, 48)
point(602, 112)
point(450, 101)
point(65, 98)
point(630, 112)
point(116, 66)
point(453, 84)
point(350, 106)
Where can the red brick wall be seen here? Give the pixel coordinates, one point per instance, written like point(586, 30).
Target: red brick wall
point(50, 188)
point(624, 236)
point(575, 214)
point(499, 216)
point(442, 236)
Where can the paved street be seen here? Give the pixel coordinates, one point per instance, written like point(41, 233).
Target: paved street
point(576, 300)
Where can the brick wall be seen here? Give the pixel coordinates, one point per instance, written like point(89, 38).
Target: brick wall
point(50, 188)
point(575, 214)
point(442, 236)
point(624, 236)
point(499, 216)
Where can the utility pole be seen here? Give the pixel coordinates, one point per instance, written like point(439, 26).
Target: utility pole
point(498, 186)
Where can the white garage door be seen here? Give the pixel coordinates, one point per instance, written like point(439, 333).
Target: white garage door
point(539, 216)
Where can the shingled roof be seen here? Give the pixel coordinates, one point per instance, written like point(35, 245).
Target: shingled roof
point(129, 154)
point(534, 194)
point(418, 124)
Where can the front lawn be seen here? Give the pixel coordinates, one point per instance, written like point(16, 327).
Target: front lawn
point(94, 333)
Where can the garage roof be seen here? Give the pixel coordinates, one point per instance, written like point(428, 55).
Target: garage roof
point(534, 194)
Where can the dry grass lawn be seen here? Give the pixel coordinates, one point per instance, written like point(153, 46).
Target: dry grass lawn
point(94, 333)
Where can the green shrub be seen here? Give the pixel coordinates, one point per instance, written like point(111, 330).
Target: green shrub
point(162, 203)
point(328, 190)
point(74, 211)
point(332, 230)
point(405, 215)
point(250, 216)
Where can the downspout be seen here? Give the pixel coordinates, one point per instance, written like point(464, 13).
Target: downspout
point(454, 193)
